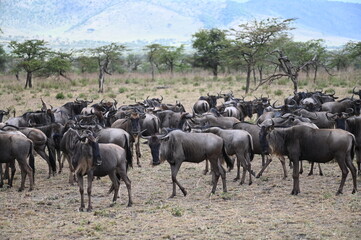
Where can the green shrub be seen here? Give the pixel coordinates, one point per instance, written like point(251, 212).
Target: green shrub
point(278, 92)
point(60, 96)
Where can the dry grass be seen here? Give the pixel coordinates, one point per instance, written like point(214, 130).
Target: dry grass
point(264, 210)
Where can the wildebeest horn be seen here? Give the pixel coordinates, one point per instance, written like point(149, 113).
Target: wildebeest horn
point(161, 98)
point(115, 102)
point(353, 91)
point(273, 105)
point(101, 101)
point(44, 108)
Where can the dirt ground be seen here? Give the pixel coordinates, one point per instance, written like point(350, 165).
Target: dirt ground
point(263, 210)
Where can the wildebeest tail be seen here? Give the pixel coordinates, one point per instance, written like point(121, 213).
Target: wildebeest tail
point(31, 158)
point(228, 160)
point(251, 154)
point(352, 153)
point(50, 145)
point(128, 154)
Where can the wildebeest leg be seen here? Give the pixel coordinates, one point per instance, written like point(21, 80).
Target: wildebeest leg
point(89, 190)
point(206, 169)
point(115, 185)
point(283, 162)
point(320, 170)
point(137, 150)
point(353, 172)
point(129, 187)
point(1, 176)
point(263, 160)
point(6, 174)
point(223, 176)
point(71, 169)
point(341, 160)
point(13, 170)
point(296, 176)
point(26, 170)
point(41, 152)
point(174, 171)
point(301, 167)
point(311, 169)
point(238, 170)
point(81, 190)
point(215, 165)
point(269, 160)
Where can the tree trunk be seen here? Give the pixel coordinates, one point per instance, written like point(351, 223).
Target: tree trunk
point(294, 80)
point(101, 80)
point(254, 76)
point(152, 64)
point(215, 71)
point(248, 80)
point(260, 71)
point(315, 76)
point(171, 66)
point(29, 76)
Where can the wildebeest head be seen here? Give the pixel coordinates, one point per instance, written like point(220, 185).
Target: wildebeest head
point(134, 118)
point(154, 145)
point(87, 138)
point(2, 113)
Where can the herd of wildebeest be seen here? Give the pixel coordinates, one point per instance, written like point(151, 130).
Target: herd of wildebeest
point(100, 139)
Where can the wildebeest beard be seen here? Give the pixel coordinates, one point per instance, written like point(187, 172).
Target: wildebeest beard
point(276, 140)
point(96, 153)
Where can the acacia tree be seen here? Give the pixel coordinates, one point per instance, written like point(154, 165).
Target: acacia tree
point(171, 57)
point(133, 61)
point(104, 55)
point(153, 53)
point(58, 64)
point(209, 45)
point(252, 40)
point(31, 56)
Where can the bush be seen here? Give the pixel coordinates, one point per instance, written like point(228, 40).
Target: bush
point(278, 92)
point(122, 90)
point(60, 96)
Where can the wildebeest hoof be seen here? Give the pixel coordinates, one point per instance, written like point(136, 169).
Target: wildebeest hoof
point(172, 196)
point(339, 192)
point(258, 175)
point(354, 191)
point(130, 204)
point(156, 163)
point(236, 179)
point(241, 183)
point(205, 172)
point(184, 192)
point(294, 192)
point(20, 189)
point(253, 173)
point(89, 209)
point(81, 209)
point(250, 183)
point(112, 204)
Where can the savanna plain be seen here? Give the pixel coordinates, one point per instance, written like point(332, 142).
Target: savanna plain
point(263, 210)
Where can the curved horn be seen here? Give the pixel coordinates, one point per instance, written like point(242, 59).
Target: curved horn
point(161, 98)
point(332, 94)
point(115, 102)
point(353, 91)
point(101, 102)
point(273, 105)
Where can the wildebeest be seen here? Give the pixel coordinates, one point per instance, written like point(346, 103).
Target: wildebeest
point(353, 125)
point(16, 146)
point(67, 145)
point(131, 124)
point(237, 142)
point(40, 143)
point(87, 153)
point(2, 114)
point(315, 145)
point(177, 147)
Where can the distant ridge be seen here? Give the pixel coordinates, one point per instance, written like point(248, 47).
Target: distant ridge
point(170, 21)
